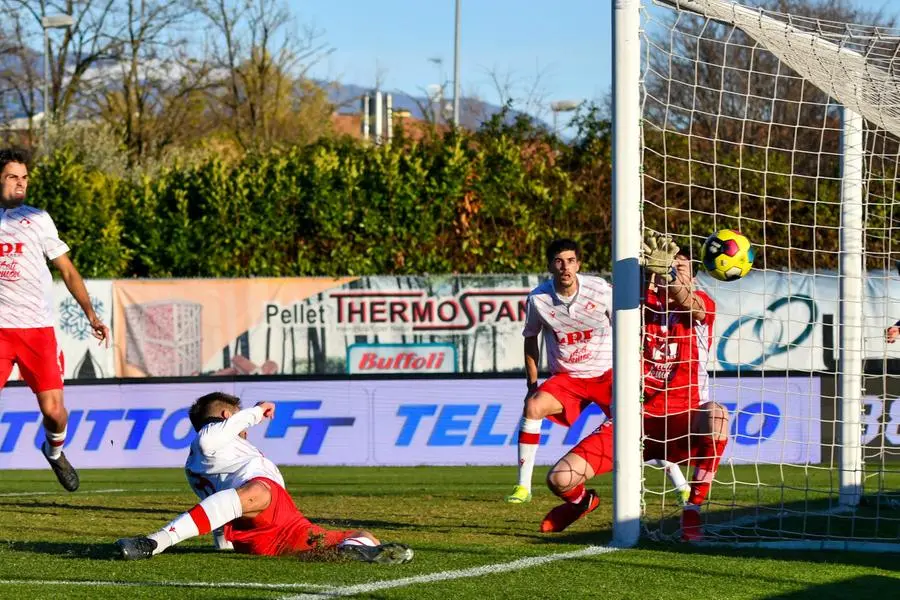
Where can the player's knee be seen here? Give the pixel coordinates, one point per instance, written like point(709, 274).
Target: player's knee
point(562, 479)
point(255, 496)
point(718, 420)
point(539, 406)
point(52, 406)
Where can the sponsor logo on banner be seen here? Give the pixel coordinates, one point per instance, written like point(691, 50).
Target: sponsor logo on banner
point(401, 358)
point(147, 425)
point(419, 312)
point(881, 419)
point(289, 326)
point(378, 422)
point(85, 358)
point(752, 339)
point(773, 420)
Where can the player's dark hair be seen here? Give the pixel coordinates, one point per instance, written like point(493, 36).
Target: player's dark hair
point(204, 409)
point(561, 245)
point(13, 155)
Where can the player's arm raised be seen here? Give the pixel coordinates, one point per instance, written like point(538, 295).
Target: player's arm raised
point(75, 284)
point(216, 435)
point(682, 290)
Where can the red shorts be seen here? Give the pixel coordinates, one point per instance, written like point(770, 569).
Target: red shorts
point(575, 394)
point(666, 437)
point(35, 351)
point(597, 448)
point(280, 529)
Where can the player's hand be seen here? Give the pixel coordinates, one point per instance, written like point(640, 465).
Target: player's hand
point(658, 254)
point(532, 390)
point(268, 409)
point(891, 334)
point(100, 331)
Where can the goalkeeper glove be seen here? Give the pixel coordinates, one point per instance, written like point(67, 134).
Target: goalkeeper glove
point(659, 255)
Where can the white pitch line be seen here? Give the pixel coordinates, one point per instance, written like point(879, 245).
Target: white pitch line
point(85, 492)
point(516, 565)
point(172, 584)
point(59, 493)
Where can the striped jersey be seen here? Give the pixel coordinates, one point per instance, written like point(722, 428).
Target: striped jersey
point(28, 238)
point(676, 351)
point(578, 333)
point(221, 459)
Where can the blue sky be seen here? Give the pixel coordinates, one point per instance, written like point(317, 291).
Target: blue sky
point(566, 43)
point(568, 47)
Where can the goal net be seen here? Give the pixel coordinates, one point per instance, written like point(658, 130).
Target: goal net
point(786, 128)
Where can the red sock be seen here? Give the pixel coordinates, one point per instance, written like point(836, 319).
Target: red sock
point(201, 520)
point(574, 496)
point(706, 463)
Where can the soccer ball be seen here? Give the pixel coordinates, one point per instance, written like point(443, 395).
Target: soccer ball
point(727, 255)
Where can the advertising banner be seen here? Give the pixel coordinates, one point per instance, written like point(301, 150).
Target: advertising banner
point(377, 422)
point(165, 328)
point(317, 325)
point(881, 418)
point(221, 326)
point(791, 321)
point(380, 359)
point(147, 425)
point(83, 356)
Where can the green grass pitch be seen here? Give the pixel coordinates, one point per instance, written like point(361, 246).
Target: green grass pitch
point(59, 545)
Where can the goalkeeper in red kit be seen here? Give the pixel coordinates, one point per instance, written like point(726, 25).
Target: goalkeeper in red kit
point(680, 422)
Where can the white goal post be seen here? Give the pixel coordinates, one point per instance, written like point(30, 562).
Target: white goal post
point(786, 127)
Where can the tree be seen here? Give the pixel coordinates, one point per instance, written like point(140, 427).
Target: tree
point(75, 53)
point(158, 89)
point(263, 80)
point(738, 138)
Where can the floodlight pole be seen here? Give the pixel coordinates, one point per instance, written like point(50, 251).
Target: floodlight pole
point(456, 68)
point(47, 23)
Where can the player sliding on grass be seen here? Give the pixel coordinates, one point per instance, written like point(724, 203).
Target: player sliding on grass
point(243, 492)
point(679, 420)
point(573, 313)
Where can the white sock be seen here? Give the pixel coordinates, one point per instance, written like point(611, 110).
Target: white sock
point(54, 444)
point(528, 451)
point(218, 509)
point(676, 477)
point(219, 540)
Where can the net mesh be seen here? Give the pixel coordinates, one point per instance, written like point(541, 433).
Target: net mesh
point(742, 116)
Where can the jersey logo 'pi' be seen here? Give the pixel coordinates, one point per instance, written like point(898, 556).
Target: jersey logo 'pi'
point(7, 248)
point(574, 337)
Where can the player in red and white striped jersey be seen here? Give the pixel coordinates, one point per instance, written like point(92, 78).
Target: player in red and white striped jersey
point(28, 239)
point(572, 311)
point(242, 494)
point(679, 420)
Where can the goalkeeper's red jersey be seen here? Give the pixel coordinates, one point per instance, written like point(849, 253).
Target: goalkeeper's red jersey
point(676, 350)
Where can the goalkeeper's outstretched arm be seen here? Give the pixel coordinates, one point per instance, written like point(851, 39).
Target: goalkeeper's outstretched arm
point(681, 289)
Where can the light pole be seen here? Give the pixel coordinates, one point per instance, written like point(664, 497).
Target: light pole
point(50, 22)
point(562, 106)
point(456, 69)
